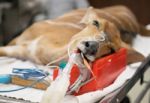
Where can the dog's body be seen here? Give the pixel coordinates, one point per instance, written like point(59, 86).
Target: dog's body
point(48, 40)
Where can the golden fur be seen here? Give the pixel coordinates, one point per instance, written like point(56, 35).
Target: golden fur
point(47, 40)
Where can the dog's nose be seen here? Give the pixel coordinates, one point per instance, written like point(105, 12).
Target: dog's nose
point(90, 47)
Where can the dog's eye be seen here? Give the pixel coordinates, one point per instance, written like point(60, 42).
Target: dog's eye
point(96, 23)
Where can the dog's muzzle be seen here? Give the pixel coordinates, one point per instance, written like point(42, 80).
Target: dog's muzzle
point(89, 49)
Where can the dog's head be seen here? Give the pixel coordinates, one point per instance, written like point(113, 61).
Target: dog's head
point(100, 38)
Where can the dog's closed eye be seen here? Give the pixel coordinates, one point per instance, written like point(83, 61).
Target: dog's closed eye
point(96, 23)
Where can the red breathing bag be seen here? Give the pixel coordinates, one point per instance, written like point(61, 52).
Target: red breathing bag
point(105, 70)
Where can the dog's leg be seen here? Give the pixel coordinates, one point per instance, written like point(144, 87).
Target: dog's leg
point(127, 37)
point(13, 42)
point(133, 56)
point(17, 51)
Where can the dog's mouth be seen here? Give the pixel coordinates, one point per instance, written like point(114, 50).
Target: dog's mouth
point(86, 57)
point(88, 50)
point(90, 54)
point(89, 58)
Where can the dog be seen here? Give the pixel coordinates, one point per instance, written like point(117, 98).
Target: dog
point(47, 41)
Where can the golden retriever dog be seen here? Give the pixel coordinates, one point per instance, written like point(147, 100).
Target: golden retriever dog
point(95, 32)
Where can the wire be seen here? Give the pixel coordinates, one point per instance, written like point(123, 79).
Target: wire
point(100, 39)
point(54, 61)
point(21, 88)
point(53, 66)
point(48, 65)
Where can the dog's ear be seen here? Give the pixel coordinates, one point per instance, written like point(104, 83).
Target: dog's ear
point(114, 36)
point(91, 18)
point(133, 56)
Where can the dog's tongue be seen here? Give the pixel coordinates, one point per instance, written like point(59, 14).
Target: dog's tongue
point(86, 63)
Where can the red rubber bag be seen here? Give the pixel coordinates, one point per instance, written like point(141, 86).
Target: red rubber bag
point(106, 70)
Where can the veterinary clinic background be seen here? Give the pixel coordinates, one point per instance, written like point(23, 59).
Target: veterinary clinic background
point(23, 13)
point(17, 15)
